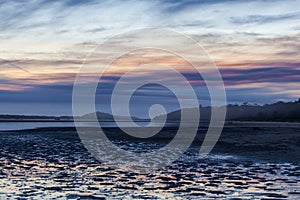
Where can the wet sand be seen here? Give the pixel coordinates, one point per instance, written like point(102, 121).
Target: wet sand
point(248, 162)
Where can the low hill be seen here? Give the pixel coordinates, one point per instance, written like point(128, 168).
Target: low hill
point(280, 111)
point(108, 117)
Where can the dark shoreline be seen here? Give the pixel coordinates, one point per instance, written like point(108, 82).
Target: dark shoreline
point(280, 144)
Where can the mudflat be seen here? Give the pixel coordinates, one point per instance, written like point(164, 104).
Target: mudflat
point(248, 161)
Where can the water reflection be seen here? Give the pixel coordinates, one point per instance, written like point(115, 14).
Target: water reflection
point(32, 125)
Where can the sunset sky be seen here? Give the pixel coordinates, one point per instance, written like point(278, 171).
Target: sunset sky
point(43, 44)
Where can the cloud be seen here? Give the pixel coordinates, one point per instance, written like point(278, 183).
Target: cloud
point(175, 6)
point(96, 30)
point(262, 75)
point(12, 63)
point(262, 19)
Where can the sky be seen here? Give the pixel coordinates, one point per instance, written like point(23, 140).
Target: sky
point(43, 45)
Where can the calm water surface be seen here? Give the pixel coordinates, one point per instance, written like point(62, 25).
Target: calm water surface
point(5, 126)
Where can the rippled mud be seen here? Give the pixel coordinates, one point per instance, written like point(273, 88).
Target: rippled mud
point(54, 164)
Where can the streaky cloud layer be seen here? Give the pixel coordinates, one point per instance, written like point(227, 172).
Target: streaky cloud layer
point(43, 44)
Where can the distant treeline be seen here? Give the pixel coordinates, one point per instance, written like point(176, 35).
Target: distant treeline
point(279, 111)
